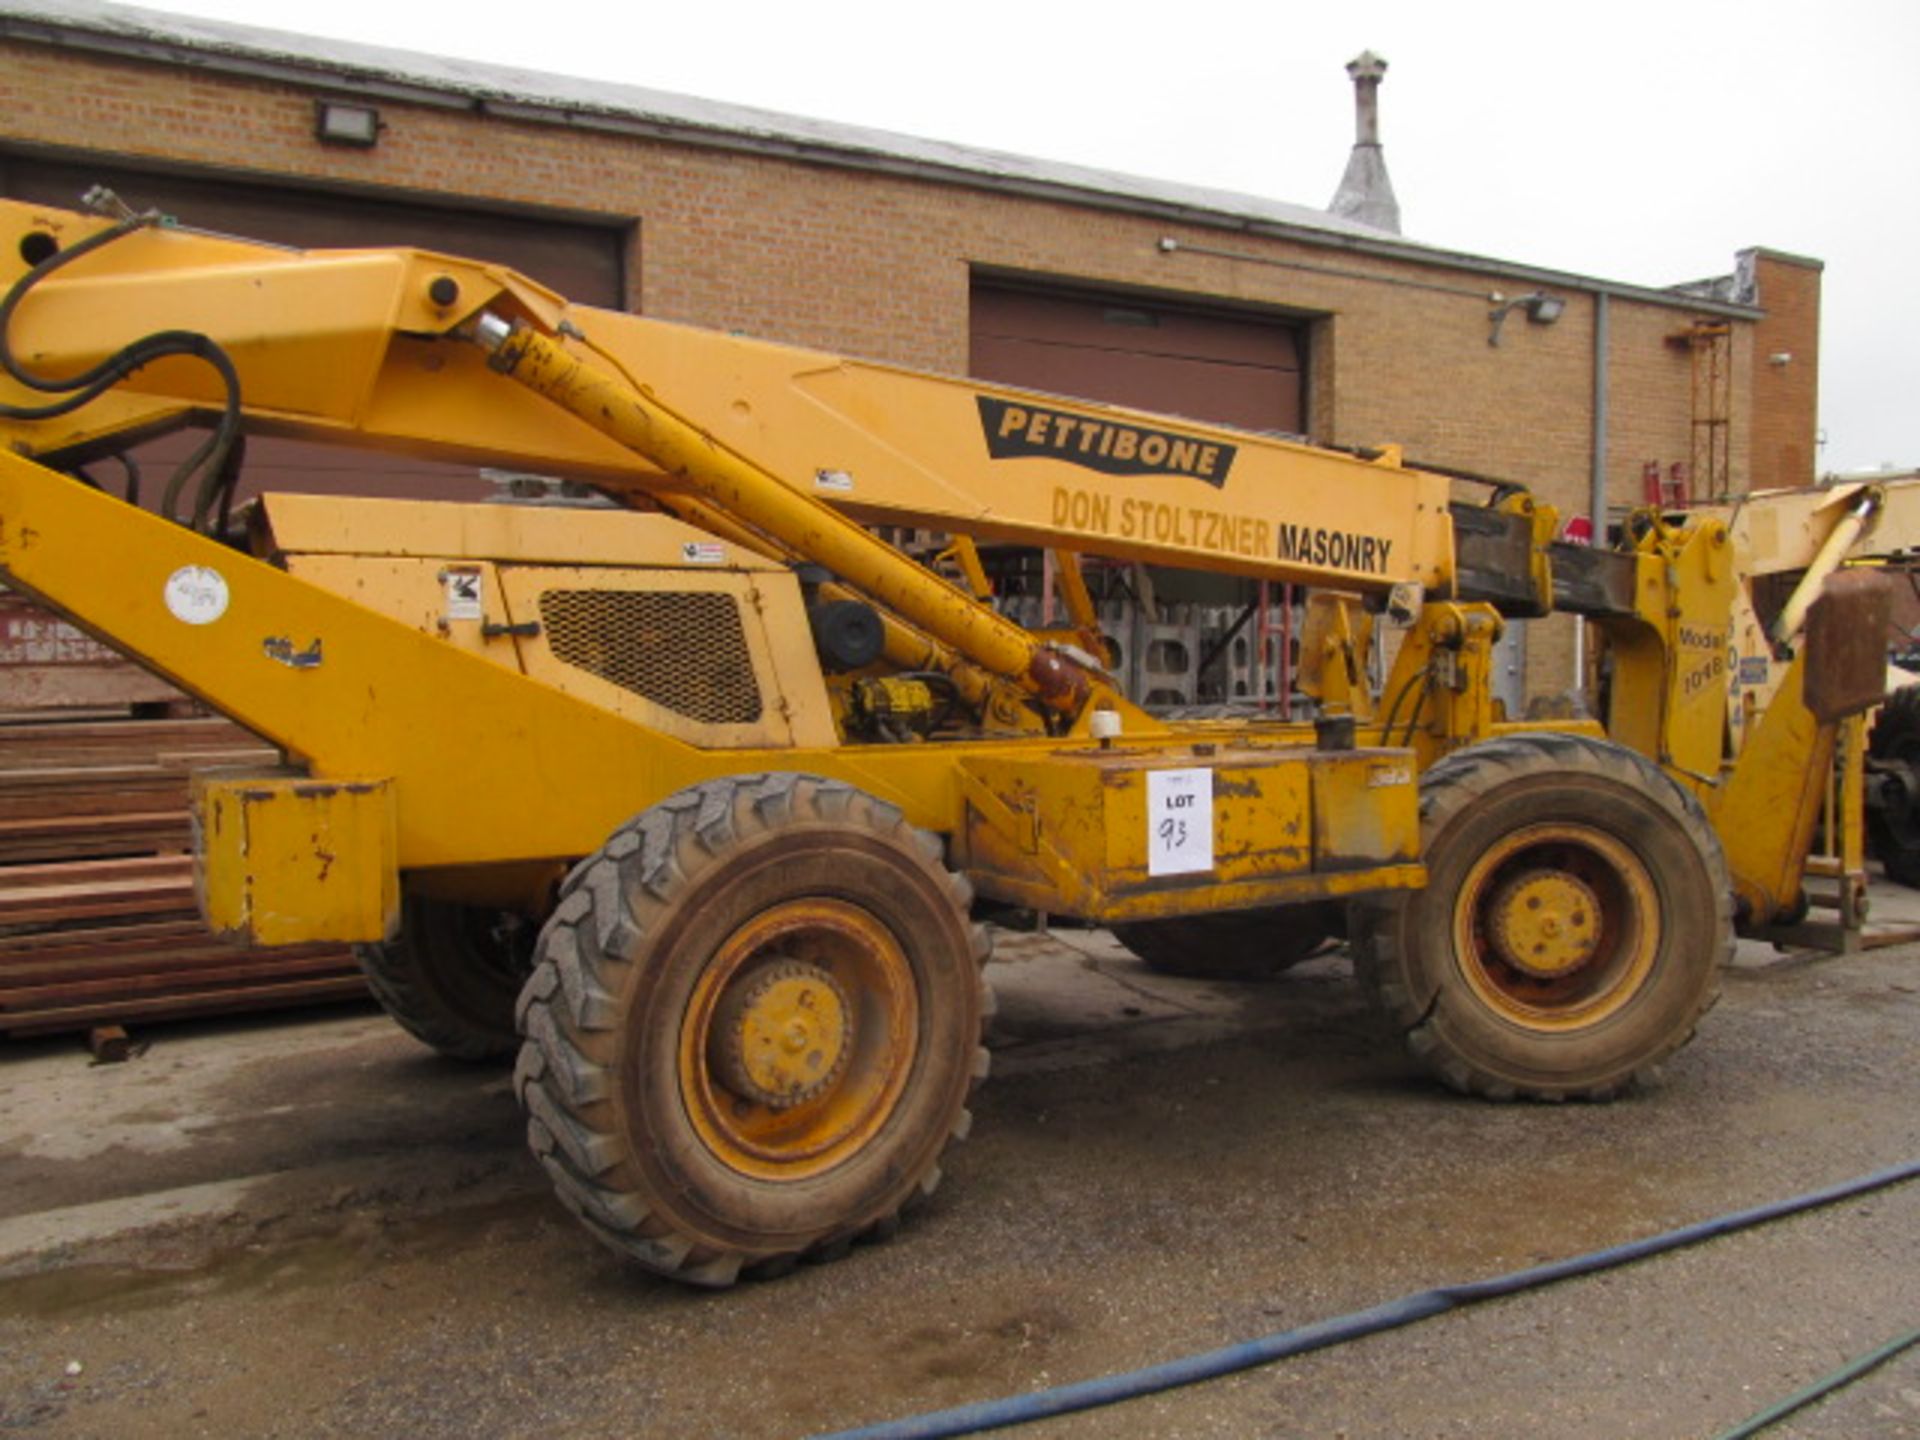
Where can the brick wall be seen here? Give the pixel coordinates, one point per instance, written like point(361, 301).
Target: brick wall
point(1785, 391)
point(879, 266)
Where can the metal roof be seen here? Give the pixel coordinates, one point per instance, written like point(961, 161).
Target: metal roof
point(492, 87)
point(530, 95)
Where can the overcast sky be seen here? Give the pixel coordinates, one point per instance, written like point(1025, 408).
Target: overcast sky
point(1637, 141)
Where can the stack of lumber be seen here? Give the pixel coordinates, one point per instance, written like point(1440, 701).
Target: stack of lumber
point(97, 918)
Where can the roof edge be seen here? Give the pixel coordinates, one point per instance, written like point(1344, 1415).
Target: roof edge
point(346, 79)
point(1787, 257)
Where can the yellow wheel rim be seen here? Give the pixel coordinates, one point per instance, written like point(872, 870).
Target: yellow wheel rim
point(782, 1034)
point(1556, 926)
point(798, 1039)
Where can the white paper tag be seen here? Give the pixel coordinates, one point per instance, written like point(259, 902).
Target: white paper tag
point(1179, 821)
point(695, 552)
point(196, 594)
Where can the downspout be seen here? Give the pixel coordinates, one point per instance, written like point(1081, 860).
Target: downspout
point(1597, 478)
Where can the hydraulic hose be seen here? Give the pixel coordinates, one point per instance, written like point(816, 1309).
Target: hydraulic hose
point(88, 384)
point(1211, 1364)
point(211, 458)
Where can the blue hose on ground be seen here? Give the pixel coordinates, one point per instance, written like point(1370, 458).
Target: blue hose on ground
point(1211, 1364)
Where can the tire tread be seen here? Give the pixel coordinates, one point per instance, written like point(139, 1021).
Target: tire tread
point(567, 1009)
point(1450, 787)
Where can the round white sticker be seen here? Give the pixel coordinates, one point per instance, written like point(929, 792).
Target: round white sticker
point(197, 594)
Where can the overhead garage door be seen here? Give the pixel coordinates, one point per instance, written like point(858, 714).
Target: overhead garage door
point(581, 261)
point(1207, 365)
point(1231, 368)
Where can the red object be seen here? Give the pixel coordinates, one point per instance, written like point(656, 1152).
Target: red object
point(1679, 492)
point(1578, 530)
point(1666, 491)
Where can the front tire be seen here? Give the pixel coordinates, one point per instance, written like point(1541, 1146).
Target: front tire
point(753, 1027)
point(1573, 926)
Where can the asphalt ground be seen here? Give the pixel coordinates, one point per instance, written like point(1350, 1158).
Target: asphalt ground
point(312, 1227)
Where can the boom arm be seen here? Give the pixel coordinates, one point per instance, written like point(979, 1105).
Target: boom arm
point(352, 345)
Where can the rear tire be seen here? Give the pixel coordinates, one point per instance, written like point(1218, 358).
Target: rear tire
point(1573, 926)
point(753, 1027)
point(1234, 944)
point(1893, 823)
point(452, 976)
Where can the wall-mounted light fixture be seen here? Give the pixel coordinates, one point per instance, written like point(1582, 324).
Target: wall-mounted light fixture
point(1780, 359)
point(335, 123)
point(1541, 308)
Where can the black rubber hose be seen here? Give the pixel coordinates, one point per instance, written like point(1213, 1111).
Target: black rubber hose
point(100, 375)
point(210, 458)
point(1393, 707)
point(1211, 1364)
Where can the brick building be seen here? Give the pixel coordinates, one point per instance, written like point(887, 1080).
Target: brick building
point(1220, 305)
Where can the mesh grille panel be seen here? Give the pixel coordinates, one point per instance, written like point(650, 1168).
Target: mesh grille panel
point(685, 652)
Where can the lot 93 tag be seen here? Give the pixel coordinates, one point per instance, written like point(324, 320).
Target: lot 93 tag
point(1179, 821)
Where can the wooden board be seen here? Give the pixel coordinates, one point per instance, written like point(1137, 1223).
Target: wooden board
point(98, 923)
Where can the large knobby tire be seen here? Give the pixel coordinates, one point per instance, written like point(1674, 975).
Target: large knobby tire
point(753, 1027)
point(452, 976)
point(1893, 821)
point(1573, 926)
point(1234, 944)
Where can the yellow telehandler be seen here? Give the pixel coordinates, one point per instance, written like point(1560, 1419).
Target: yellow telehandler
point(695, 800)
